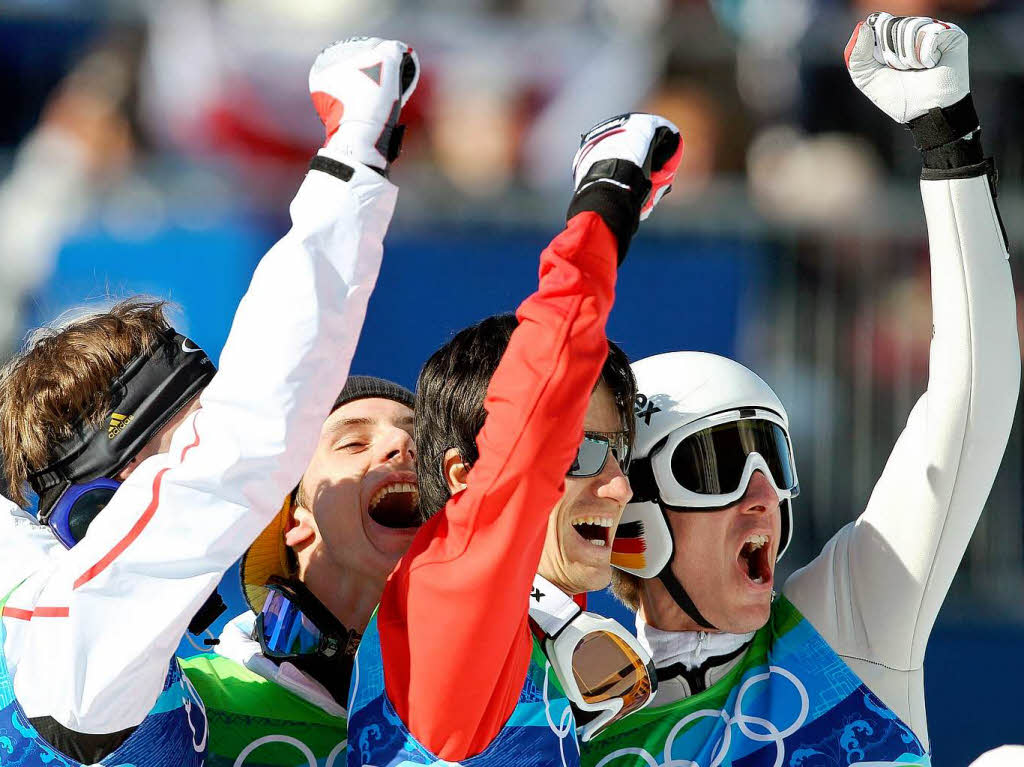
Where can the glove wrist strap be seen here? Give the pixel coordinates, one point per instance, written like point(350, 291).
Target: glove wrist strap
point(614, 189)
point(940, 126)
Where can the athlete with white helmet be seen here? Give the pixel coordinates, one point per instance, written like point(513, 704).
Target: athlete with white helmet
point(830, 671)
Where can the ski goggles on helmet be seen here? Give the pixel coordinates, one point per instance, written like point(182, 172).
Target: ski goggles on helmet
point(593, 452)
point(707, 464)
point(602, 668)
point(294, 623)
point(76, 508)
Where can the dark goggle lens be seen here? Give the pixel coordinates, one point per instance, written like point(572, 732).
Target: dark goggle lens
point(605, 667)
point(711, 461)
point(86, 508)
point(286, 631)
point(593, 454)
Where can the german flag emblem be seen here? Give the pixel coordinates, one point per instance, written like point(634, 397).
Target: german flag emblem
point(629, 546)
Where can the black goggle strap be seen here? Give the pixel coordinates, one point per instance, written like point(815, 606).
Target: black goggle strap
point(551, 609)
point(150, 391)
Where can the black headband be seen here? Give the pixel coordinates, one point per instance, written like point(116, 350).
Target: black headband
point(151, 390)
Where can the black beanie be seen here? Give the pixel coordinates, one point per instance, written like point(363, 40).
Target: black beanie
point(369, 387)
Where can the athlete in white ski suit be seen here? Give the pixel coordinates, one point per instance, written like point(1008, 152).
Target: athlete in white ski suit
point(90, 630)
point(874, 592)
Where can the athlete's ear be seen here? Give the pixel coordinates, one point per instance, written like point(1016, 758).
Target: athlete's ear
point(456, 472)
point(302, 529)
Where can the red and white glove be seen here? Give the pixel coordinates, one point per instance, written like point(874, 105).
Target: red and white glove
point(908, 65)
point(359, 87)
point(650, 142)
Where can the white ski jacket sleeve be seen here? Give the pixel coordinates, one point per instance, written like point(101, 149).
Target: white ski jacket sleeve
point(876, 588)
point(91, 630)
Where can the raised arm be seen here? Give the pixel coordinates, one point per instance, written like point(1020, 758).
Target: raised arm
point(875, 590)
point(455, 682)
point(118, 603)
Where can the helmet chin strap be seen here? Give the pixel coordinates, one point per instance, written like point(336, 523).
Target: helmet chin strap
point(682, 599)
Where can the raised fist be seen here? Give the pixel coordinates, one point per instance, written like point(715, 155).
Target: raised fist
point(650, 142)
point(908, 64)
point(359, 87)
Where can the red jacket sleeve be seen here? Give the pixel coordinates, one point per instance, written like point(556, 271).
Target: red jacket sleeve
point(453, 616)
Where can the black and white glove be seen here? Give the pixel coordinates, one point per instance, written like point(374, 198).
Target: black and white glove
point(623, 168)
point(359, 87)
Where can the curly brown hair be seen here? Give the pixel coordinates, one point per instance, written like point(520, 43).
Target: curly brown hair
point(63, 377)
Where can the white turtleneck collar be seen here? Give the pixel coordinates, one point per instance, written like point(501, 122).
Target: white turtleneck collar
point(691, 648)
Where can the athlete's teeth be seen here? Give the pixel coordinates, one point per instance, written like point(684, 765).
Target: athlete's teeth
point(597, 542)
point(757, 541)
point(598, 521)
point(758, 579)
point(397, 487)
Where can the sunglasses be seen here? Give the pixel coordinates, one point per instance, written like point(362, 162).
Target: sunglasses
point(593, 452)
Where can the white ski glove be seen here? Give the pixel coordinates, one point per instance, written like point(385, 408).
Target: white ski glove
point(359, 87)
point(908, 65)
point(650, 142)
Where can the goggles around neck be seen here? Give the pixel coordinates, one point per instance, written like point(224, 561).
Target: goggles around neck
point(593, 452)
point(707, 464)
point(602, 668)
point(294, 624)
point(76, 508)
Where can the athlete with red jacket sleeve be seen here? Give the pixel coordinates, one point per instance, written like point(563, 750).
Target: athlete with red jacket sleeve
point(453, 628)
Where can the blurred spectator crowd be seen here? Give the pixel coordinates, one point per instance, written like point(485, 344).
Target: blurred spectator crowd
point(139, 113)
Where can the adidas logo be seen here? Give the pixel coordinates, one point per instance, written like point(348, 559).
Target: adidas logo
point(117, 422)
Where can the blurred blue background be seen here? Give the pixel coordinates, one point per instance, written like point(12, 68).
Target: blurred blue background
point(154, 147)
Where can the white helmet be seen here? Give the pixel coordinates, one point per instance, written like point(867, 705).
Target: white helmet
point(704, 425)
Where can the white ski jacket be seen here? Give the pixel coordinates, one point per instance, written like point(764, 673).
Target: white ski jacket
point(876, 588)
point(90, 631)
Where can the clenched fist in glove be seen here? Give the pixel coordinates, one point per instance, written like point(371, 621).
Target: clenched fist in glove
point(908, 64)
point(914, 68)
point(359, 87)
point(623, 168)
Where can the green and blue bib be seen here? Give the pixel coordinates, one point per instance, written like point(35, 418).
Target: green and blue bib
point(791, 702)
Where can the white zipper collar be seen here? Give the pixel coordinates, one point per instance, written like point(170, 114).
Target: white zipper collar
point(691, 648)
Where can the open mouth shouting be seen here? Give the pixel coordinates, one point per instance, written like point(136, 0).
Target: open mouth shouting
point(596, 531)
point(396, 505)
point(754, 559)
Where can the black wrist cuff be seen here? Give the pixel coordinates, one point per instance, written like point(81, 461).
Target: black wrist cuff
point(941, 126)
point(615, 190)
point(962, 153)
point(331, 167)
point(984, 168)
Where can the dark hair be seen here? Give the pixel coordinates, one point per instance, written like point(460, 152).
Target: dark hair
point(450, 399)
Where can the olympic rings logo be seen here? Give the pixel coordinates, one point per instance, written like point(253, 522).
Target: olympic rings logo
point(298, 745)
point(566, 725)
point(765, 731)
